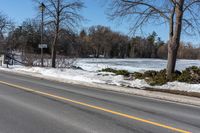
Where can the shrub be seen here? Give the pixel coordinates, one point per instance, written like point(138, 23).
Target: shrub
point(190, 75)
point(150, 73)
point(138, 75)
point(117, 72)
point(157, 80)
point(156, 77)
point(122, 72)
point(109, 70)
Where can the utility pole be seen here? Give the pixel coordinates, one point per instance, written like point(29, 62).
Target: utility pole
point(42, 8)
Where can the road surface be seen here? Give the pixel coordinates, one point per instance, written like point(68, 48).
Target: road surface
point(34, 105)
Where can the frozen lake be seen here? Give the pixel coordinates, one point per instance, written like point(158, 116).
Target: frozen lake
point(132, 65)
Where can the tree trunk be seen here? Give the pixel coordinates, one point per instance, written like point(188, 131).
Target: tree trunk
point(54, 45)
point(172, 54)
point(53, 52)
point(175, 39)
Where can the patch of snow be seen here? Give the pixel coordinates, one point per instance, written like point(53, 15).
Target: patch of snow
point(180, 86)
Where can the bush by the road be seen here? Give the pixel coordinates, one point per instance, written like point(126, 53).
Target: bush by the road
point(117, 72)
point(189, 75)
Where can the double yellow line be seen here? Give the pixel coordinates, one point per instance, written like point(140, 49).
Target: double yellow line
point(95, 107)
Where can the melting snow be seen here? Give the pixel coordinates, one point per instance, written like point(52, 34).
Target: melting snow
point(90, 73)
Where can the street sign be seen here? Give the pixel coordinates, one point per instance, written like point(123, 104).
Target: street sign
point(42, 46)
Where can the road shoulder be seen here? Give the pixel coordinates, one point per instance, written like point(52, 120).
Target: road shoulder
point(169, 97)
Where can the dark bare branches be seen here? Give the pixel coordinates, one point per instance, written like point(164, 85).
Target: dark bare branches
point(5, 24)
point(180, 15)
point(62, 14)
point(140, 11)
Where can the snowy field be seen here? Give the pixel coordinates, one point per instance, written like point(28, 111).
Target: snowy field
point(90, 73)
point(132, 65)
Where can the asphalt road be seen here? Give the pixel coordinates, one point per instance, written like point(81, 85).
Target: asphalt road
point(33, 105)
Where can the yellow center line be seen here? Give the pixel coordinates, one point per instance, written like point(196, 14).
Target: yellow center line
point(95, 107)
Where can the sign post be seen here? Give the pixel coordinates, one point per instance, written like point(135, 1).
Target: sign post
point(42, 46)
point(42, 8)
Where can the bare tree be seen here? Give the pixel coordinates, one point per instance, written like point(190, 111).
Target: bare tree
point(179, 15)
point(62, 14)
point(6, 25)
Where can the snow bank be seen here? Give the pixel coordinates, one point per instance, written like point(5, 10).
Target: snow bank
point(90, 73)
point(79, 75)
point(180, 87)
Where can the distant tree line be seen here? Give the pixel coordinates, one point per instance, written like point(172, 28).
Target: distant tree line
point(96, 41)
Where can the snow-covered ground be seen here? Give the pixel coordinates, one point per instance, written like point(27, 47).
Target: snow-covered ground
point(90, 73)
point(132, 65)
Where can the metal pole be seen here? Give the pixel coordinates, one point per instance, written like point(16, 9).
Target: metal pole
point(42, 30)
